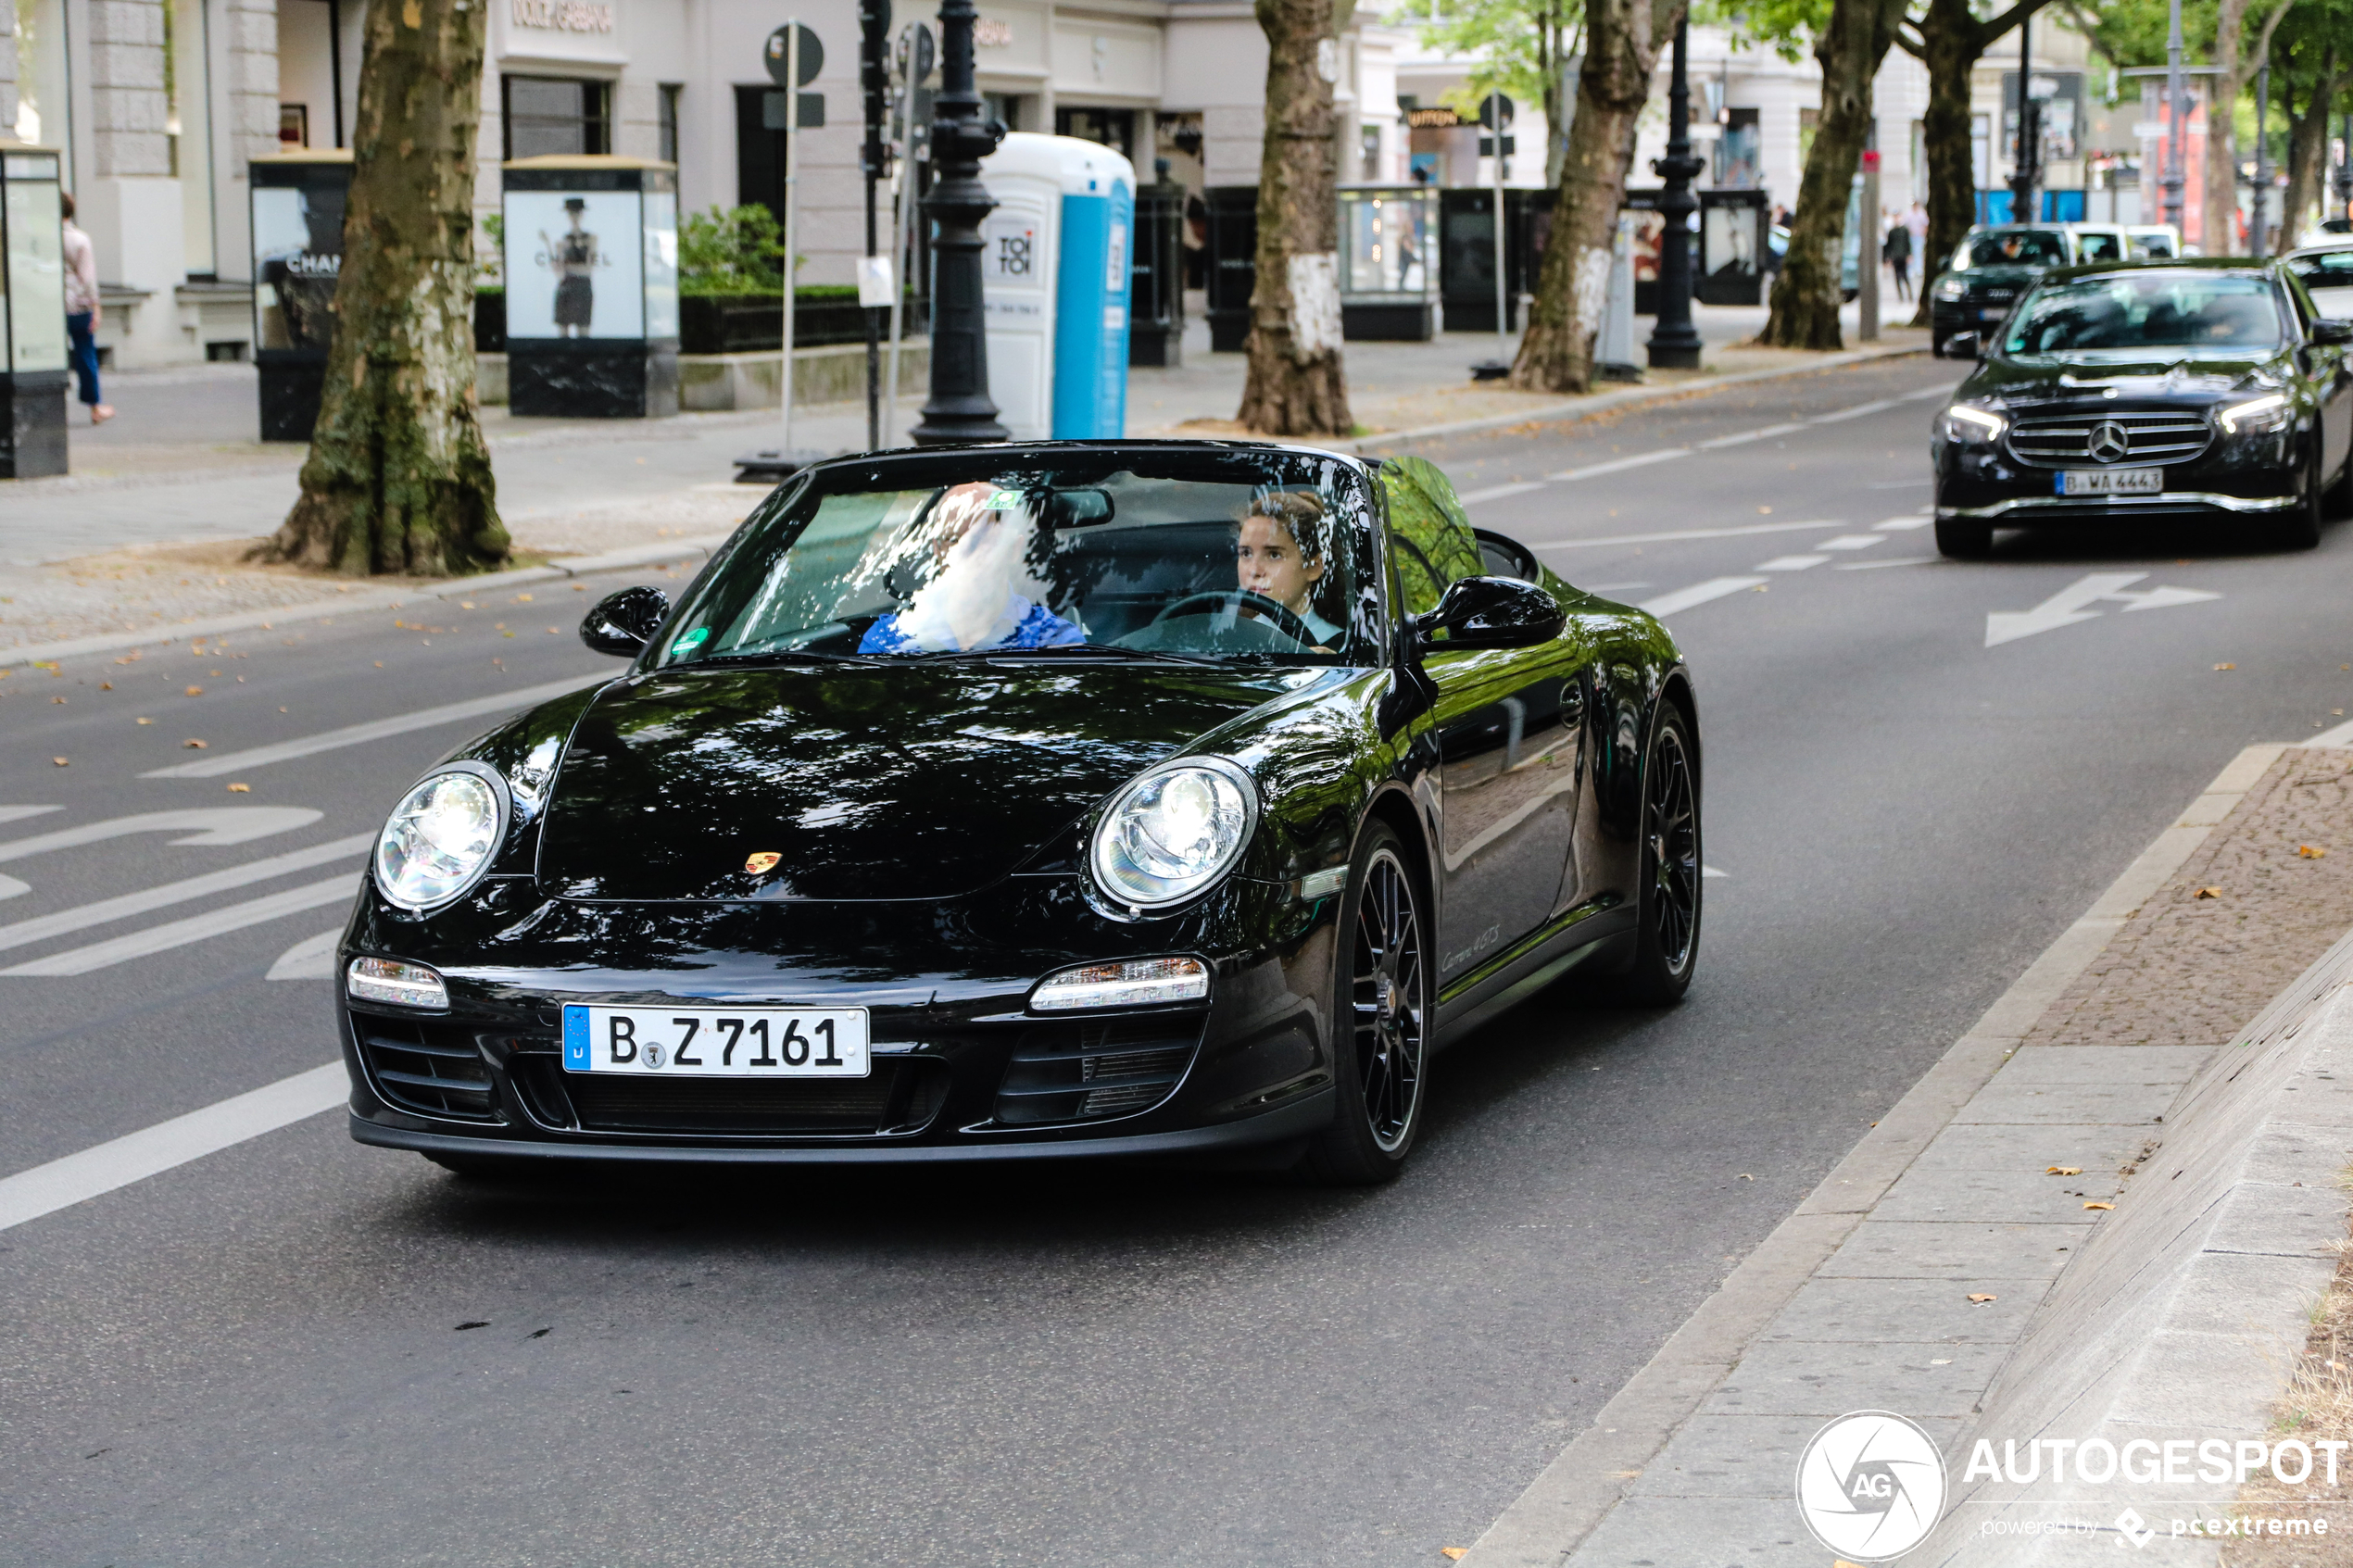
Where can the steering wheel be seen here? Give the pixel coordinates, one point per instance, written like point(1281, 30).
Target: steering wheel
point(1259, 605)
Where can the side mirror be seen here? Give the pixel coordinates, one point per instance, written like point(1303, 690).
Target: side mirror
point(1964, 346)
point(622, 623)
point(2332, 332)
point(1489, 613)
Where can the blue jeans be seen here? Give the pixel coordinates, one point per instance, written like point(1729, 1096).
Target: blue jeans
point(83, 357)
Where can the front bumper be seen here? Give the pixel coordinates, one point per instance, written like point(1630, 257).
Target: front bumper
point(2029, 509)
point(2253, 476)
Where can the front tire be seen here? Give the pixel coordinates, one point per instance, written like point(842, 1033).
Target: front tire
point(2300, 529)
point(1668, 897)
point(1964, 538)
point(1384, 991)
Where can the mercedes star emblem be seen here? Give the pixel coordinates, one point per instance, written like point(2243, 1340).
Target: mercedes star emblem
point(2109, 442)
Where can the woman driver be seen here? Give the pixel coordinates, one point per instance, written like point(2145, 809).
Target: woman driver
point(1279, 555)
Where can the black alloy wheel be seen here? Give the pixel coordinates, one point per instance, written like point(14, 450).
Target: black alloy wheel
point(1667, 912)
point(1382, 1019)
point(2299, 529)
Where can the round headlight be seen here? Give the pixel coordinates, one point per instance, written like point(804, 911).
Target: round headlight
point(1173, 832)
point(440, 839)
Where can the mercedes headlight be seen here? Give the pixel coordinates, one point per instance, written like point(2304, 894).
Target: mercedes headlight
point(1950, 288)
point(2255, 415)
point(440, 839)
point(1173, 832)
point(1970, 425)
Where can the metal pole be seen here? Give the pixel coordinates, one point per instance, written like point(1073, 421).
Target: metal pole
point(1674, 344)
point(1867, 254)
point(959, 408)
point(792, 202)
point(2345, 168)
point(904, 226)
point(1502, 331)
point(2262, 164)
point(2029, 138)
point(874, 27)
point(2175, 111)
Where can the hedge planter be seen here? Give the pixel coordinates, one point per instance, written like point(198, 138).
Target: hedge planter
point(746, 323)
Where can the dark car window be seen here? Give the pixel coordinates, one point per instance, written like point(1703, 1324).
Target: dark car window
point(2015, 247)
point(1225, 555)
point(2328, 270)
point(1430, 530)
point(2099, 247)
point(2141, 311)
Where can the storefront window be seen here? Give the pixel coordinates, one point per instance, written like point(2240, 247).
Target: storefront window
point(668, 128)
point(1115, 128)
point(552, 115)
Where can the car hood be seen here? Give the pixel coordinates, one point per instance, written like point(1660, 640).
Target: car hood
point(1977, 278)
point(2181, 373)
point(908, 781)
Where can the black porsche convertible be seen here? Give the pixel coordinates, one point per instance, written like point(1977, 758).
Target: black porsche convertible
point(1127, 798)
point(2138, 391)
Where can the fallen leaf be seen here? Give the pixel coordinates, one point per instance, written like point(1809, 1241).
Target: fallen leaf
point(1746, 1177)
point(525, 598)
point(1451, 1553)
point(241, 789)
point(2062, 1170)
point(61, 761)
point(2226, 667)
point(1764, 511)
point(379, 664)
point(2098, 1205)
point(1624, 1474)
point(195, 745)
point(105, 685)
point(146, 721)
point(1942, 1361)
point(1981, 1299)
point(282, 710)
point(2206, 893)
point(58, 700)
point(2310, 851)
point(580, 587)
point(195, 691)
point(553, 633)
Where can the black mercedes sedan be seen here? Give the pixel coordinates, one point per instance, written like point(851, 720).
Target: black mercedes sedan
point(1107, 799)
point(1986, 275)
point(2132, 391)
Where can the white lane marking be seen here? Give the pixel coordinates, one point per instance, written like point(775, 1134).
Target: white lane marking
point(313, 958)
point(195, 928)
point(1790, 563)
point(1746, 436)
point(206, 826)
point(2073, 604)
point(2341, 736)
point(11, 888)
point(1924, 393)
point(1901, 524)
point(1856, 412)
point(1853, 542)
point(1497, 492)
point(1697, 594)
point(1612, 587)
point(42, 928)
point(134, 1157)
point(1737, 532)
point(1706, 872)
point(1617, 464)
point(1875, 565)
point(355, 735)
point(17, 813)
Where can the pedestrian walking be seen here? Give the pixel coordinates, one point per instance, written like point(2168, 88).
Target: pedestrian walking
point(1899, 259)
point(83, 312)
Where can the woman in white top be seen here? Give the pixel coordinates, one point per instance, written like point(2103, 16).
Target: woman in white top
point(1279, 555)
point(83, 312)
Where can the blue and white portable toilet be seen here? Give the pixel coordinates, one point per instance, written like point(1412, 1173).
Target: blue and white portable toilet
point(1055, 280)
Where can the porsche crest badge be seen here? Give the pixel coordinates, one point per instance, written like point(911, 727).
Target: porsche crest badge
point(763, 862)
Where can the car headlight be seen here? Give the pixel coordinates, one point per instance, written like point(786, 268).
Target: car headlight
point(1949, 288)
point(2255, 415)
point(439, 840)
point(1172, 833)
point(1970, 425)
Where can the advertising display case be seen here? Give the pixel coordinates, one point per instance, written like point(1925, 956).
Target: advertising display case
point(32, 433)
point(592, 287)
point(298, 201)
point(1233, 265)
point(1734, 226)
point(1466, 247)
point(1389, 272)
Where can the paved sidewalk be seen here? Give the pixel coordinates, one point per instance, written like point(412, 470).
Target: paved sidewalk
point(1905, 1280)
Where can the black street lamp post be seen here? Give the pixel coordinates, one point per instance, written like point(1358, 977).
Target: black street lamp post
point(1674, 343)
point(959, 408)
point(2029, 132)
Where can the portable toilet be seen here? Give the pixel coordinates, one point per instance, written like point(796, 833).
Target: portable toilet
point(1054, 280)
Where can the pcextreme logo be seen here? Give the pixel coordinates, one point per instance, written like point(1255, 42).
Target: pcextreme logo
point(1870, 1486)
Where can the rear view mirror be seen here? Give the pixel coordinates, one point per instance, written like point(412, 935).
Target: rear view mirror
point(1964, 345)
point(1079, 508)
point(622, 623)
point(1489, 613)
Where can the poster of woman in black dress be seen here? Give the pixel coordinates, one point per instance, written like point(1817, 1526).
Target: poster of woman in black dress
point(576, 264)
point(573, 257)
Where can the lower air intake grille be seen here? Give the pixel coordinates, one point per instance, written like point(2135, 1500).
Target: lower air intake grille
point(1086, 1070)
point(901, 1097)
point(432, 1068)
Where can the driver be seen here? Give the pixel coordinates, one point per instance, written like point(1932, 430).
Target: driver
point(1279, 555)
point(972, 599)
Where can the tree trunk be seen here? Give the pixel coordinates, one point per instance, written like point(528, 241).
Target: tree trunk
point(1806, 295)
point(1950, 46)
point(2222, 172)
point(1622, 41)
point(1296, 384)
point(399, 478)
point(2308, 142)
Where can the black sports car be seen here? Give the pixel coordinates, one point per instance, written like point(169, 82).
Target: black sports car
point(1071, 799)
point(2140, 390)
point(1987, 274)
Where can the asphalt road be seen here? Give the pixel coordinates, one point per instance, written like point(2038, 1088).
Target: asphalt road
point(302, 1351)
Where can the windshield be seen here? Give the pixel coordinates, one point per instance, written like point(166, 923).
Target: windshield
point(2016, 248)
point(1218, 556)
point(2143, 310)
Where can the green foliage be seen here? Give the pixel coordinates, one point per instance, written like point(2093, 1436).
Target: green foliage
point(731, 250)
point(1786, 26)
point(490, 266)
point(1516, 46)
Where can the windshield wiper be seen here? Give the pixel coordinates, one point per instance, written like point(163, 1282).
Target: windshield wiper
point(786, 656)
point(1071, 650)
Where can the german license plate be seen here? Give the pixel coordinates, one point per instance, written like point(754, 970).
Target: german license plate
point(2111, 481)
point(717, 1042)
point(1993, 312)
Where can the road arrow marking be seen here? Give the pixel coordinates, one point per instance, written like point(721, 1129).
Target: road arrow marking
point(2073, 604)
